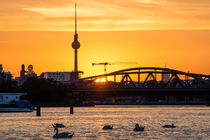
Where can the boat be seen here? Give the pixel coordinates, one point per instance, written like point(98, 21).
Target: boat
point(10, 102)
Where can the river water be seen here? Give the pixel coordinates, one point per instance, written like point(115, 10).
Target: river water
point(193, 122)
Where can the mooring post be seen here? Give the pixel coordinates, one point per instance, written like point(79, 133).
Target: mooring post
point(71, 109)
point(72, 105)
point(38, 111)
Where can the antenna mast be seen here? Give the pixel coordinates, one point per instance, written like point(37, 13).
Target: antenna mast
point(75, 18)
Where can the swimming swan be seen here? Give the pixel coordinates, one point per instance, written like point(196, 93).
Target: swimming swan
point(107, 127)
point(62, 135)
point(58, 125)
point(138, 128)
point(169, 126)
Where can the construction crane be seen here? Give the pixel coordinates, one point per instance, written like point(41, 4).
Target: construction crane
point(105, 65)
point(112, 63)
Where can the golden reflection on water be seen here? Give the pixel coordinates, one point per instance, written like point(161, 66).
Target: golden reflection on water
point(87, 123)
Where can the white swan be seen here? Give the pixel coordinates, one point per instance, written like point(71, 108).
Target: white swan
point(62, 135)
point(138, 128)
point(107, 127)
point(169, 126)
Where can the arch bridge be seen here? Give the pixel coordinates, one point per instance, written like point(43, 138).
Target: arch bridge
point(148, 78)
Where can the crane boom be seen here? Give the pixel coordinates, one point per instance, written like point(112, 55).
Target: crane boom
point(105, 65)
point(112, 63)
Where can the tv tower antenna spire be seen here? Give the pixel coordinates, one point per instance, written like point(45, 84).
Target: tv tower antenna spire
point(75, 18)
point(75, 43)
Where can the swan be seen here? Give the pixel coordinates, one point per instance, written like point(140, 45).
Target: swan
point(58, 125)
point(169, 126)
point(138, 128)
point(107, 127)
point(62, 135)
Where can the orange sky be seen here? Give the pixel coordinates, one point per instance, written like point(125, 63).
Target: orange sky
point(150, 32)
point(57, 15)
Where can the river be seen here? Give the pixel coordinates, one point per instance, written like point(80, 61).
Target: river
point(192, 122)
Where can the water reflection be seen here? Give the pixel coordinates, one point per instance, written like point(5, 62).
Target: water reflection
point(87, 123)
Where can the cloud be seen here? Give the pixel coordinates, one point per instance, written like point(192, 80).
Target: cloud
point(104, 14)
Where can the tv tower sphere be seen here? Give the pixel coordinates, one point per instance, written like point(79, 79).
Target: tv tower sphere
point(75, 44)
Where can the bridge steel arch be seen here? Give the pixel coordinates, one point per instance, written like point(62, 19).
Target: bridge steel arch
point(150, 80)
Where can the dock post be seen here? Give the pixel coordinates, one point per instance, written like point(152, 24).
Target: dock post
point(71, 109)
point(38, 111)
point(72, 104)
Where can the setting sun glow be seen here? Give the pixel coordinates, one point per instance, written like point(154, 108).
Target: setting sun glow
point(101, 80)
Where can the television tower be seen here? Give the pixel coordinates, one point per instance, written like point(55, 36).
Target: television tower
point(75, 43)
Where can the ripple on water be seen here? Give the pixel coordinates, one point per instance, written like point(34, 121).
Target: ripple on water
point(87, 123)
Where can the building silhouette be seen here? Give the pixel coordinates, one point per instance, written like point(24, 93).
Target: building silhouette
point(4, 76)
point(25, 74)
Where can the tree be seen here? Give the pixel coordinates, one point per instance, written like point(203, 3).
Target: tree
point(44, 91)
point(9, 86)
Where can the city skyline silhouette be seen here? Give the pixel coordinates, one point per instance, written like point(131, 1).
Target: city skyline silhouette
point(147, 32)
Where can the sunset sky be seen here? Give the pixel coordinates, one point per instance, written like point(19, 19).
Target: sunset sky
point(149, 32)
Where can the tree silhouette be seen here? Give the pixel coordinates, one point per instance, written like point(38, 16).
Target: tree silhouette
point(44, 91)
point(9, 86)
